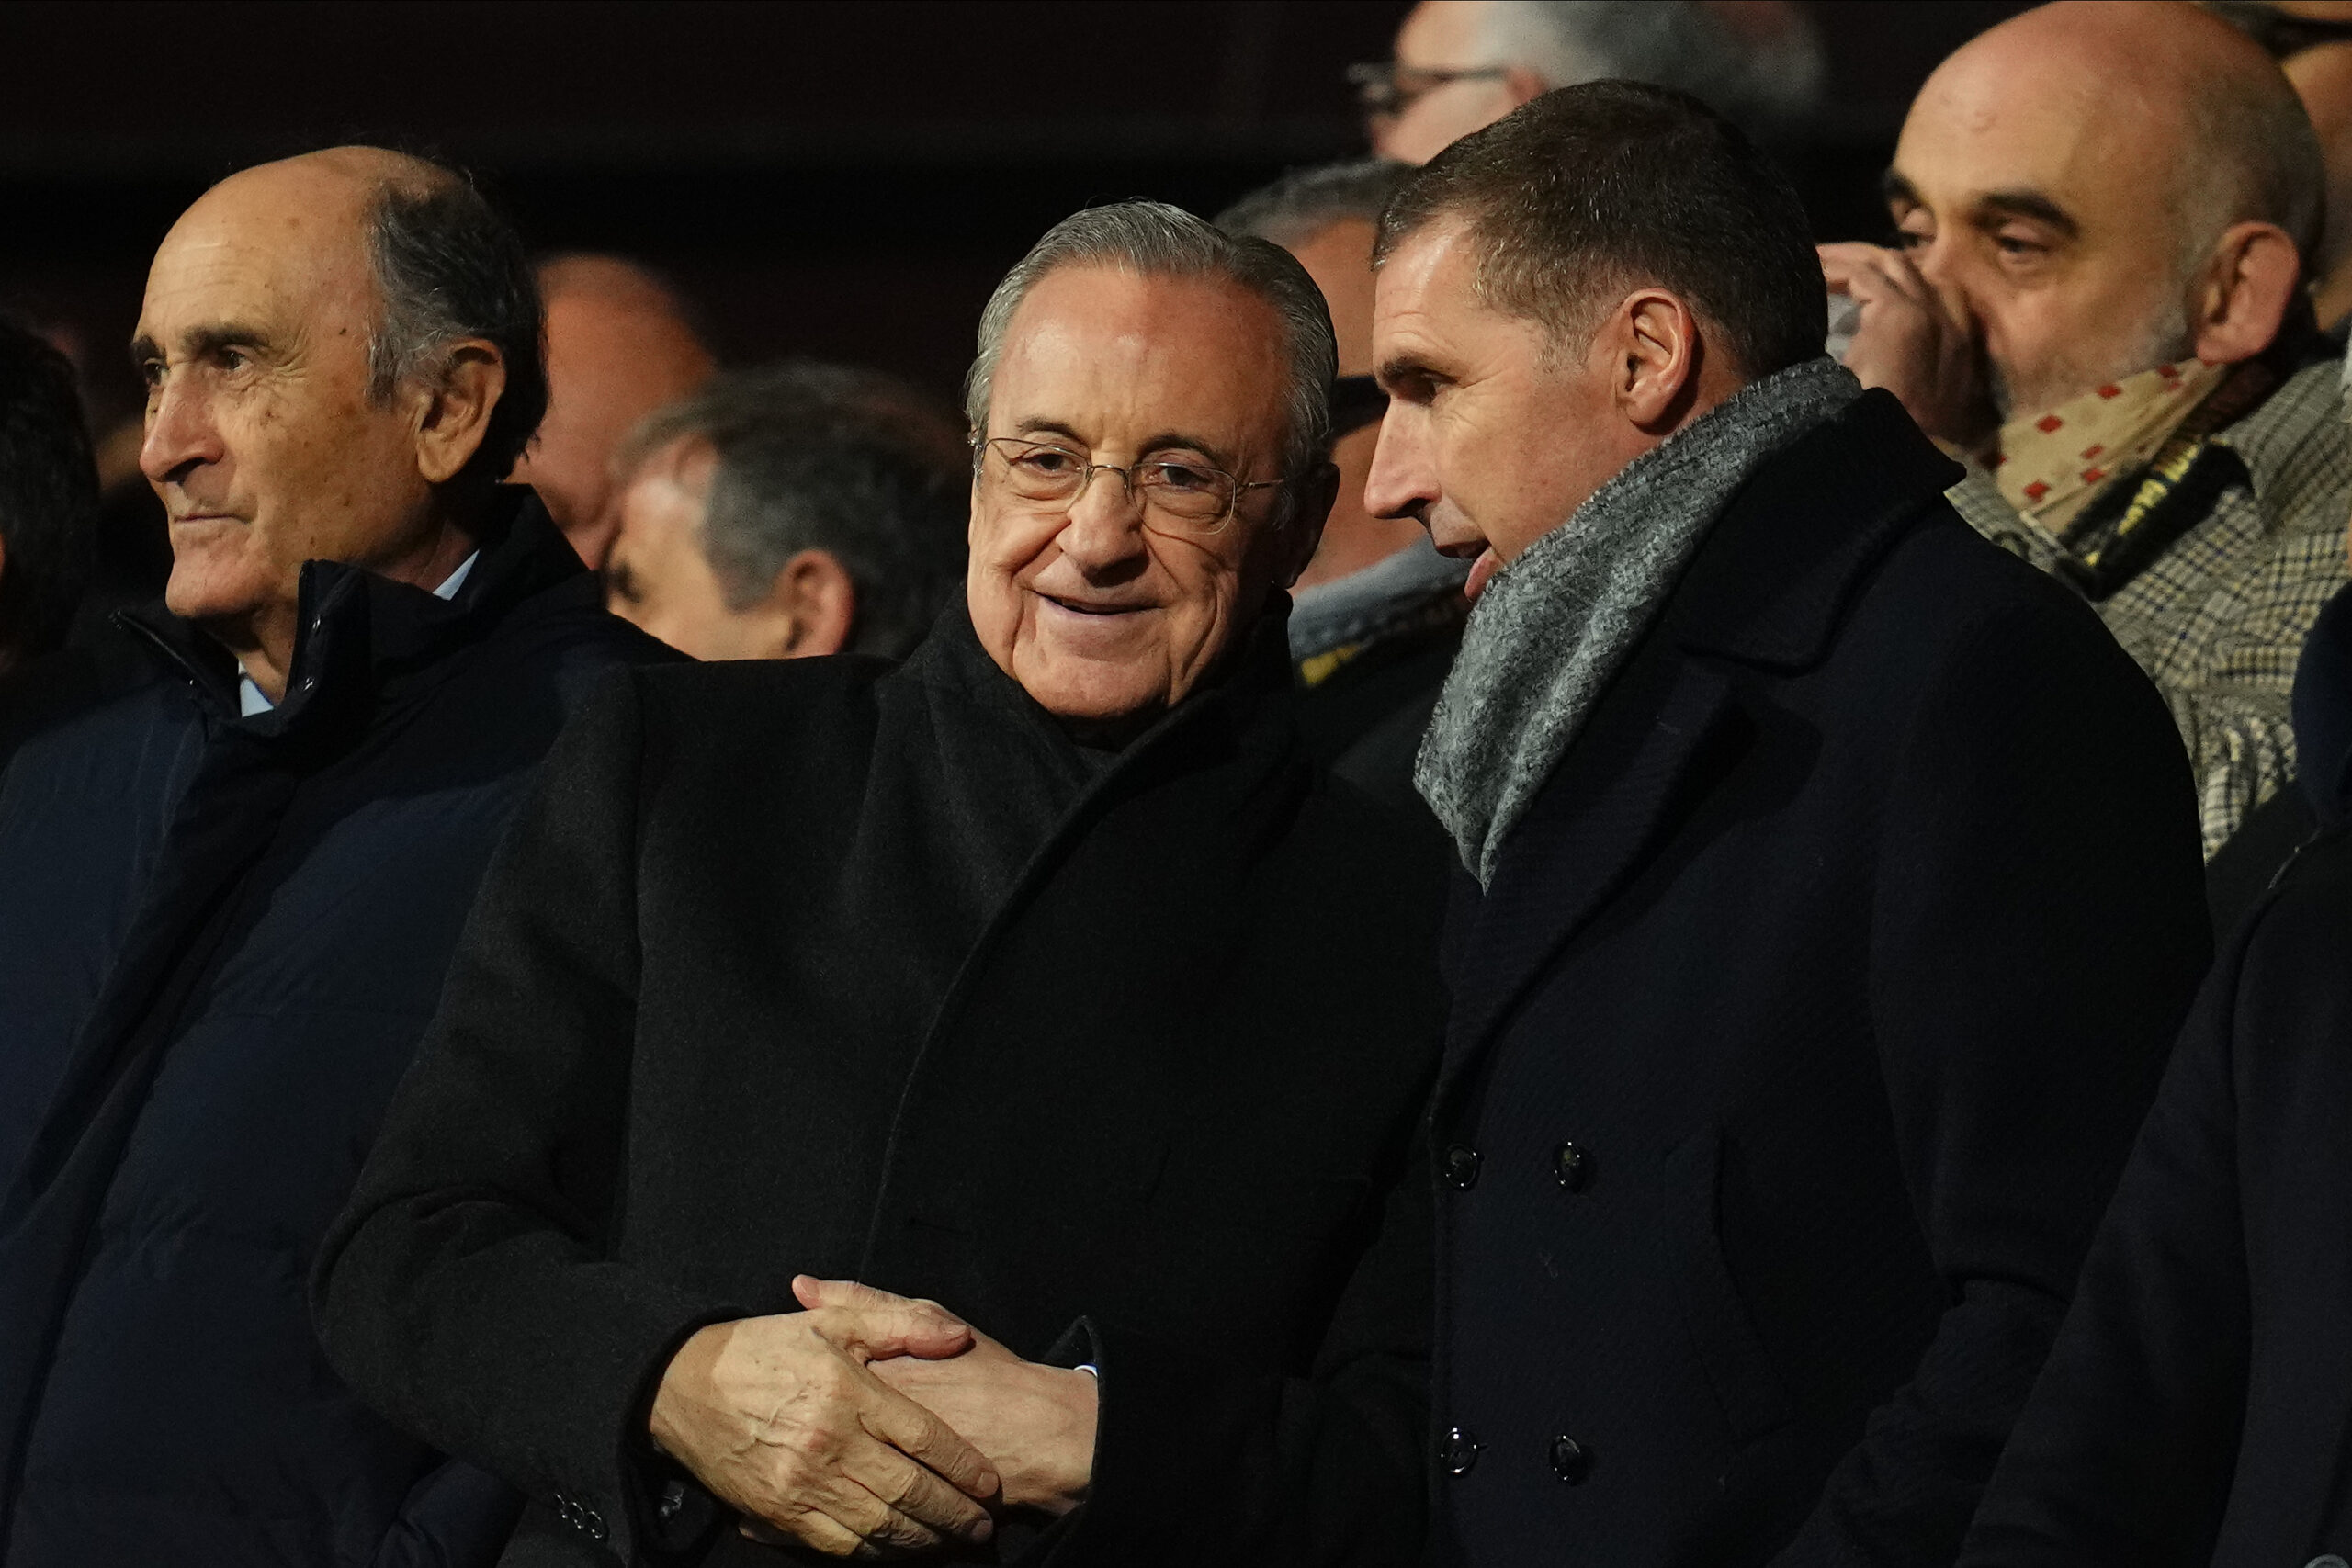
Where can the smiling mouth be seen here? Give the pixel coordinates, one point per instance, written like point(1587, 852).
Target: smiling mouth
point(1079, 607)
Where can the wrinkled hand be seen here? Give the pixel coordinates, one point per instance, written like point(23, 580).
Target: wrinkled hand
point(783, 1418)
point(1036, 1423)
point(1914, 343)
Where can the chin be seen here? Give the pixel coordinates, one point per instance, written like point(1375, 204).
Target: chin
point(202, 588)
point(1095, 697)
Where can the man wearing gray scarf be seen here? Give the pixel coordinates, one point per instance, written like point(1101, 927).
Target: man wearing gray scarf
point(1831, 881)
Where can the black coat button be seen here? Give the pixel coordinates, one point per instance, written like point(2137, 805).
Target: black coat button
point(1571, 1461)
point(1462, 1167)
point(1458, 1450)
point(1571, 1167)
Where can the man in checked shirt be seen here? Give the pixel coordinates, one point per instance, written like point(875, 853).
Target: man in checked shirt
point(2098, 297)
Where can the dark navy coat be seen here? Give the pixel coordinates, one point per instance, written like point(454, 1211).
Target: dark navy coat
point(1798, 1041)
point(220, 939)
point(2196, 1408)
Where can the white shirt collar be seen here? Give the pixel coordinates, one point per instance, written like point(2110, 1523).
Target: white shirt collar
point(252, 700)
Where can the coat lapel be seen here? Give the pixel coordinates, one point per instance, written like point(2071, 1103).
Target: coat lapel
point(1766, 592)
point(1595, 824)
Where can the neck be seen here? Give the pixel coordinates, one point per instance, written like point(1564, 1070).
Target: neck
point(261, 639)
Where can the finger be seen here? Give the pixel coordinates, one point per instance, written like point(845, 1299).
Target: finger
point(1841, 260)
point(876, 1324)
point(813, 1529)
point(924, 1438)
point(903, 1494)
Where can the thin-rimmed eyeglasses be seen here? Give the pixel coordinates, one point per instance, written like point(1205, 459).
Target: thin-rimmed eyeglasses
point(1191, 496)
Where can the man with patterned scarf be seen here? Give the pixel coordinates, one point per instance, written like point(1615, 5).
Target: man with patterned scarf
point(2106, 215)
point(1831, 885)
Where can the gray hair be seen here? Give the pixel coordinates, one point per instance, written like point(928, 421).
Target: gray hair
point(813, 456)
point(1155, 240)
point(1304, 202)
point(449, 268)
point(1767, 85)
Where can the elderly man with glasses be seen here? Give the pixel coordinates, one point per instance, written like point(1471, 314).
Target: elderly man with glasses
point(1043, 976)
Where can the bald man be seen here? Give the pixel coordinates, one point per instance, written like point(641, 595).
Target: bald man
point(2106, 213)
point(619, 346)
point(235, 872)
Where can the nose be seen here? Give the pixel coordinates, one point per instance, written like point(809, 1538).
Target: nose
point(1103, 527)
point(181, 433)
point(1936, 261)
point(1403, 481)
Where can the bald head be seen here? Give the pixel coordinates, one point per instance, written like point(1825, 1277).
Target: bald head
point(2097, 184)
point(2146, 90)
point(619, 346)
point(342, 354)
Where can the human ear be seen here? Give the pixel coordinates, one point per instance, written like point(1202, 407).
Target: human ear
point(810, 607)
point(1521, 84)
point(453, 414)
point(2242, 296)
point(1654, 349)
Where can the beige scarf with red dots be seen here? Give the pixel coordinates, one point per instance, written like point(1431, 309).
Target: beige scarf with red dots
point(2050, 465)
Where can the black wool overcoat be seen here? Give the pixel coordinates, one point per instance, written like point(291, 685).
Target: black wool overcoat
point(2197, 1407)
point(221, 940)
point(1797, 1041)
point(832, 967)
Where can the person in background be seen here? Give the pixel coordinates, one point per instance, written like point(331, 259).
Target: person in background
point(234, 876)
point(1377, 615)
point(998, 976)
point(1462, 64)
point(48, 499)
point(2103, 213)
point(2194, 1407)
point(1832, 890)
point(620, 345)
point(801, 509)
point(2311, 41)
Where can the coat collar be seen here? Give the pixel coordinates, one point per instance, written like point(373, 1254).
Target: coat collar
point(1767, 590)
point(359, 635)
point(1771, 586)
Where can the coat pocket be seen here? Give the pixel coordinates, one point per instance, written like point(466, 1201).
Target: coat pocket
point(1753, 1402)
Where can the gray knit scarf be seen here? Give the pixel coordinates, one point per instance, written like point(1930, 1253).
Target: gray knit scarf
point(1554, 626)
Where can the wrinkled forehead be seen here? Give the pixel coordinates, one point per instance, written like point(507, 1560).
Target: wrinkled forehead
point(1117, 358)
point(1997, 117)
point(269, 248)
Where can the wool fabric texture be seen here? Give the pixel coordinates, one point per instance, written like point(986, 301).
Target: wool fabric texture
point(1555, 625)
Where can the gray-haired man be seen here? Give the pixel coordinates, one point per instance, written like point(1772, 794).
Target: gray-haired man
point(796, 510)
point(234, 872)
point(1001, 977)
point(1377, 614)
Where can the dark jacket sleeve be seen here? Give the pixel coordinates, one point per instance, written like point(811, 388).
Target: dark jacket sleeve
point(2038, 933)
point(482, 1218)
point(2125, 1452)
point(1197, 1463)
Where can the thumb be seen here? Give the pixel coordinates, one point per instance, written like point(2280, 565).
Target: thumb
point(879, 1325)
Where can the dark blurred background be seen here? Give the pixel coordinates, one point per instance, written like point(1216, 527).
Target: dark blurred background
point(832, 179)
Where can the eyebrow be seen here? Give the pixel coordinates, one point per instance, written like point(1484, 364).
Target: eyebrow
point(199, 342)
point(1162, 442)
point(2030, 204)
point(2021, 203)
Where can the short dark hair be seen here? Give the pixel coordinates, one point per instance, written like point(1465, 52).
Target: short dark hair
point(450, 266)
point(48, 495)
point(1304, 202)
point(1608, 185)
point(829, 457)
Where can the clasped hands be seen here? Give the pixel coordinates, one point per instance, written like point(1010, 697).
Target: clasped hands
point(873, 1425)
